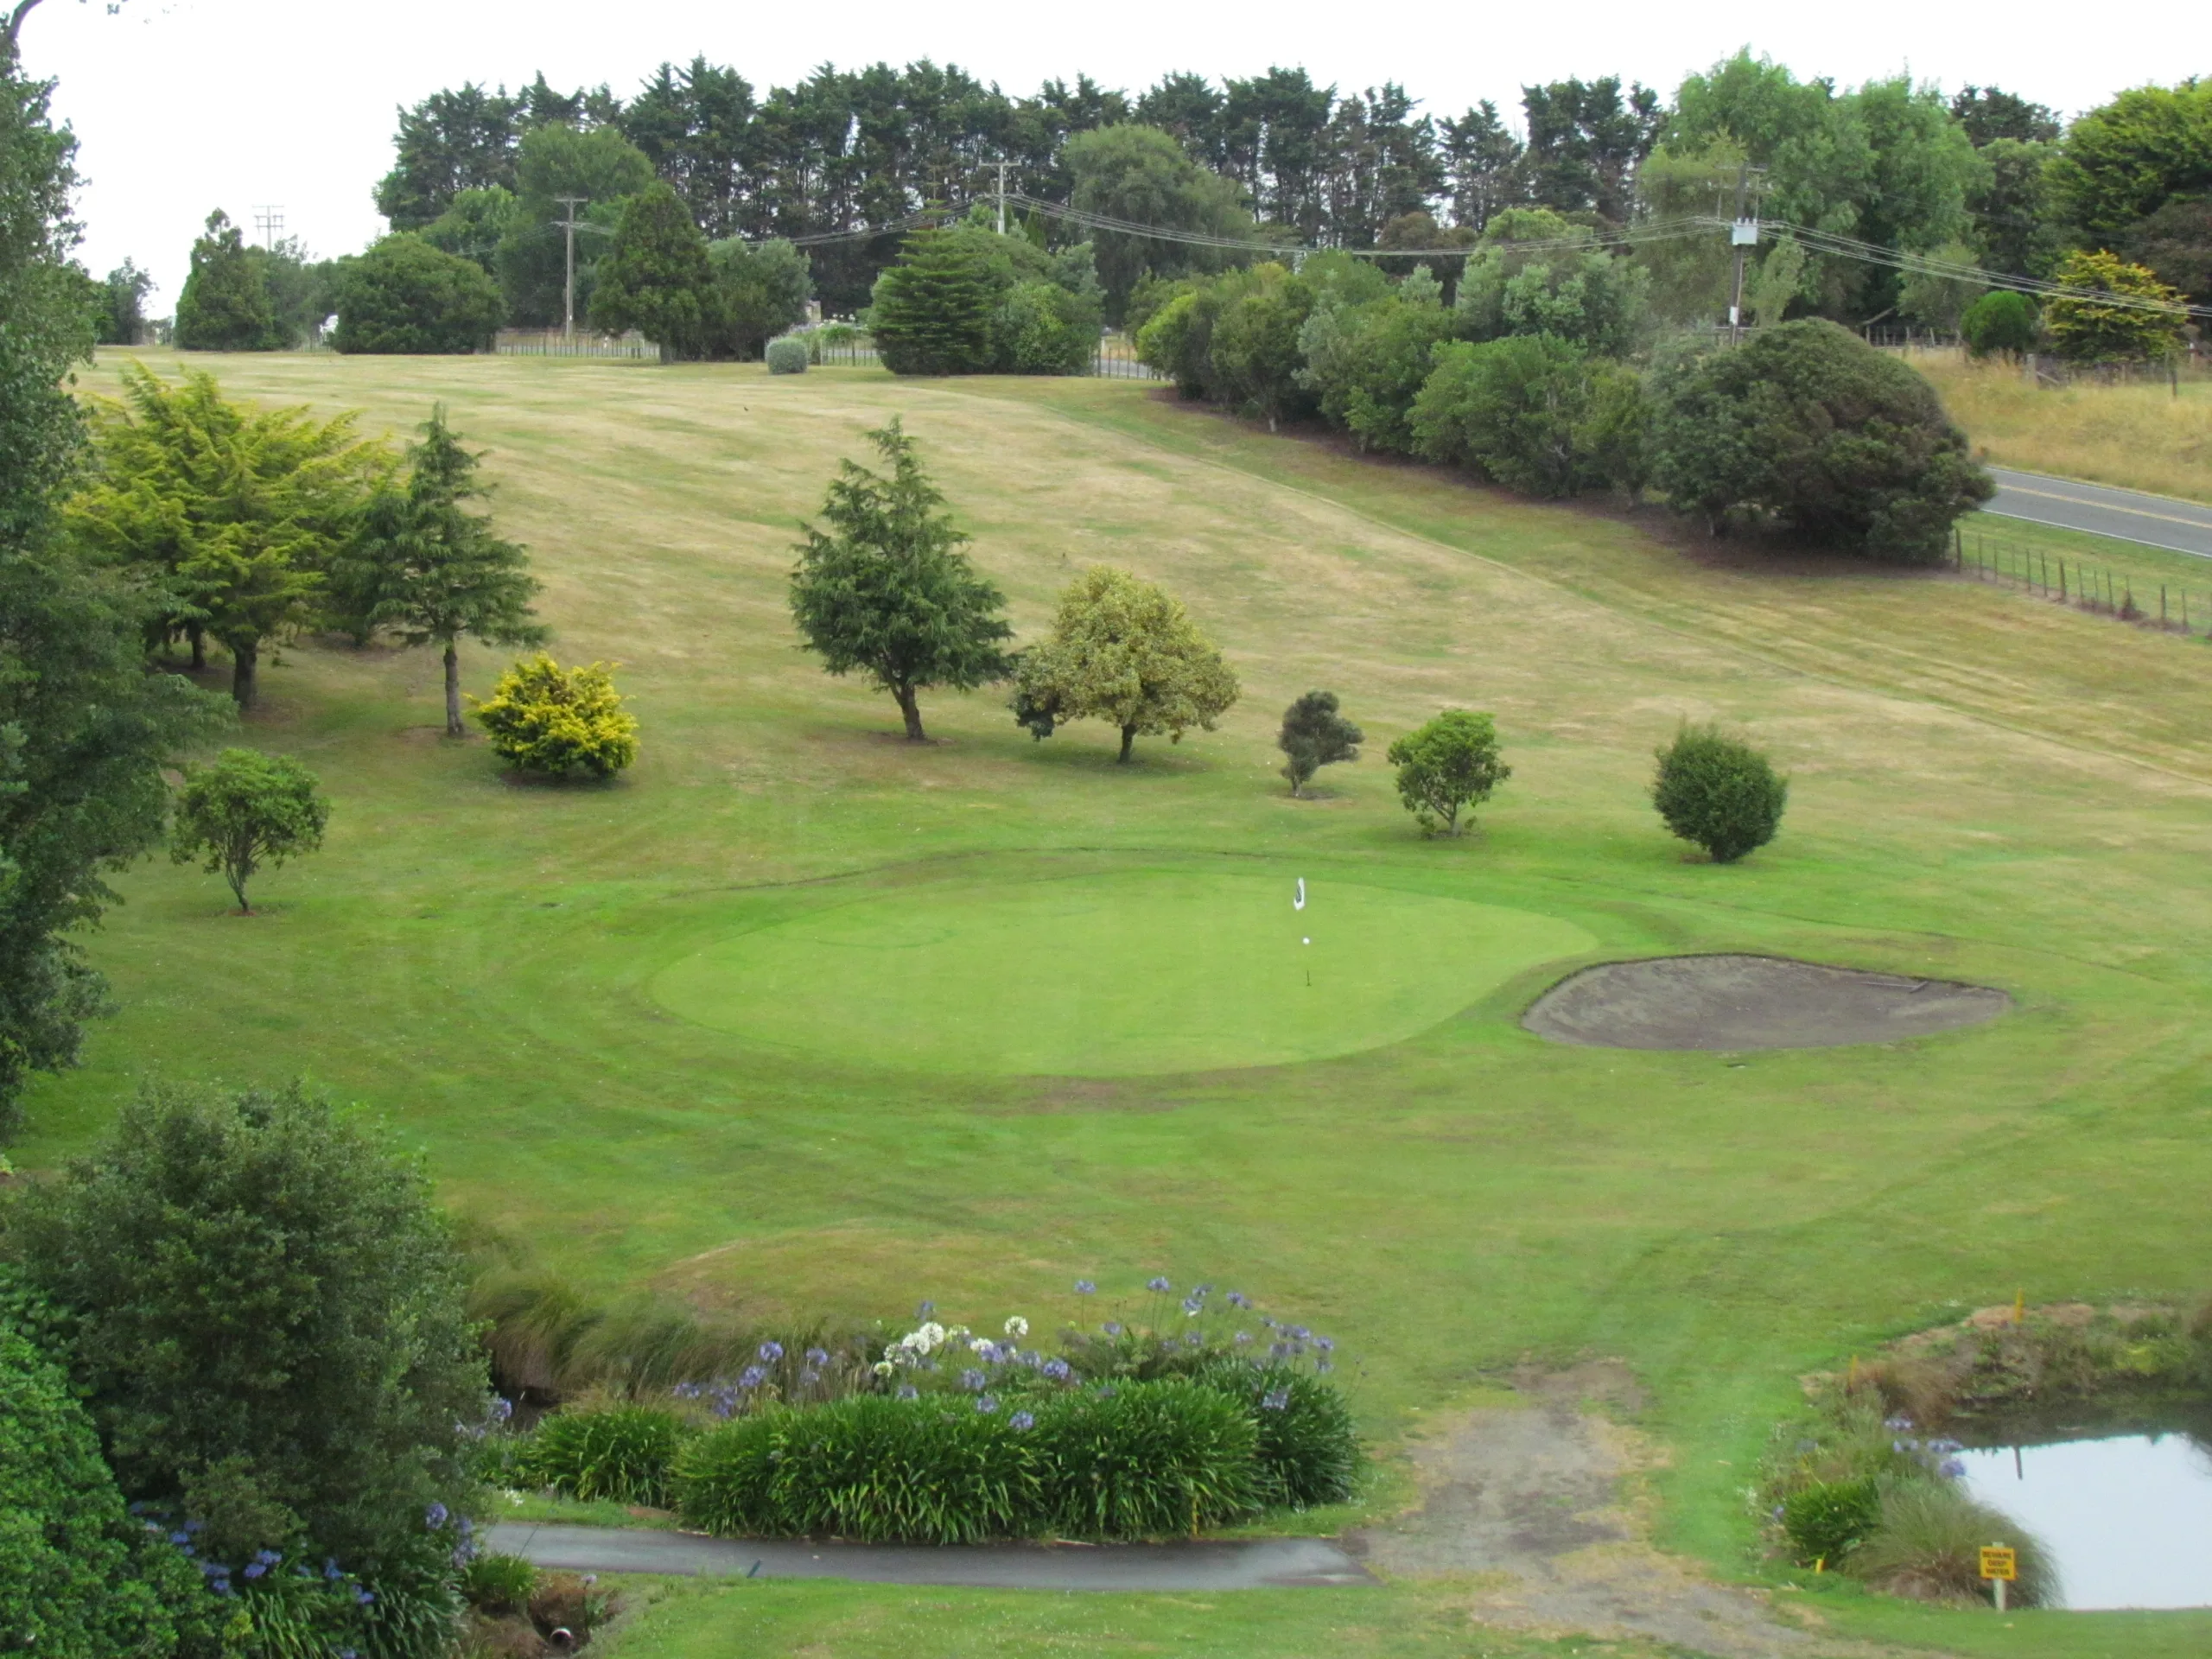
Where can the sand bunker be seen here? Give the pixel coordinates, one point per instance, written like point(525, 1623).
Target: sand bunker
point(1734, 1002)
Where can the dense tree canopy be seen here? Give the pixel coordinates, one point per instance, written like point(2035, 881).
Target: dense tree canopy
point(962, 301)
point(404, 295)
point(655, 277)
point(1123, 651)
point(225, 306)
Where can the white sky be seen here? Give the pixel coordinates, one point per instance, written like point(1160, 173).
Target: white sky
point(185, 105)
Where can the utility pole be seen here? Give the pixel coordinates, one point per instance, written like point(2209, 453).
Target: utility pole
point(568, 279)
point(268, 220)
point(1741, 244)
point(1001, 195)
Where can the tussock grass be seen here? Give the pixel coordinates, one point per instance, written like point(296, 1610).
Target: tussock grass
point(2139, 437)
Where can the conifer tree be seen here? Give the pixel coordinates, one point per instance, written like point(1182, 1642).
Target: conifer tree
point(931, 313)
point(225, 306)
point(655, 276)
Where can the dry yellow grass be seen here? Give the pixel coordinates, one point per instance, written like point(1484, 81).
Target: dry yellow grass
point(2139, 437)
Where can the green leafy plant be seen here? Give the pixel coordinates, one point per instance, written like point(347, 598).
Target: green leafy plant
point(1446, 766)
point(544, 718)
point(1928, 1545)
point(619, 1453)
point(2000, 323)
point(1123, 651)
point(1314, 734)
point(2086, 324)
point(1719, 792)
point(499, 1584)
point(1824, 1520)
point(1146, 1459)
point(787, 355)
point(404, 295)
point(247, 809)
point(1307, 1450)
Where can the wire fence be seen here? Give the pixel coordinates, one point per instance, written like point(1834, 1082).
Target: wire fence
point(2097, 588)
point(551, 342)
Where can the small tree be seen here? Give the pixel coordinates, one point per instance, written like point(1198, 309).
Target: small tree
point(1717, 792)
point(122, 317)
point(405, 296)
point(423, 565)
point(655, 277)
point(248, 810)
point(1446, 766)
point(542, 717)
point(761, 289)
point(2000, 323)
point(888, 592)
point(1315, 735)
point(268, 1324)
point(930, 311)
point(2086, 324)
point(1123, 652)
point(225, 305)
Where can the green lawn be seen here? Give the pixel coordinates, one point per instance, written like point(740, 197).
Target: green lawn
point(798, 1017)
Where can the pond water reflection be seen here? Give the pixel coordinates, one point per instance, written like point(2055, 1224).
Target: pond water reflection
point(2128, 1517)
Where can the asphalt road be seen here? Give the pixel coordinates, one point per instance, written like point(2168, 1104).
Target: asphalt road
point(2124, 515)
point(1242, 1565)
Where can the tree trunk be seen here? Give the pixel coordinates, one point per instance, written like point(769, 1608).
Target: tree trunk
point(198, 635)
point(454, 728)
point(911, 709)
point(1128, 742)
point(245, 660)
point(238, 886)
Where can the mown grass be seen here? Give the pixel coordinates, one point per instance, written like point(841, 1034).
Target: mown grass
point(2138, 436)
point(1983, 786)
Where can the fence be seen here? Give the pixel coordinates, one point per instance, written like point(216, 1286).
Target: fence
point(853, 353)
point(2086, 587)
point(551, 342)
point(1115, 360)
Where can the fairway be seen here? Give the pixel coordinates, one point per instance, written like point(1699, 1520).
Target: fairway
point(1110, 975)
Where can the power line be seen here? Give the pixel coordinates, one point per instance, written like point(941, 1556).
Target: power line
point(269, 223)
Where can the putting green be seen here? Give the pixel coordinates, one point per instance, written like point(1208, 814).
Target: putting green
point(1114, 974)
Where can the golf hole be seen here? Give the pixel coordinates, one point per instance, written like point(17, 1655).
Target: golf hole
point(1730, 1002)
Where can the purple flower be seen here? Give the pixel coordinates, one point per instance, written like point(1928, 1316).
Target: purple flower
point(1301, 1332)
point(182, 1540)
point(770, 1353)
point(1021, 1420)
point(925, 1310)
point(1085, 1287)
point(1900, 1421)
point(1275, 1399)
point(808, 1377)
point(1193, 1306)
point(330, 1568)
point(1244, 1337)
point(365, 1597)
point(971, 1380)
point(1943, 1448)
point(1105, 1390)
point(817, 1357)
point(1326, 1344)
point(1192, 1339)
point(502, 1408)
point(255, 1569)
point(1322, 1367)
point(1238, 1298)
point(1157, 1282)
point(1113, 1327)
point(908, 1391)
point(434, 1517)
point(1202, 1290)
point(751, 1378)
point(1952, 1469)
point(984, 1402)
point(1056, 1369)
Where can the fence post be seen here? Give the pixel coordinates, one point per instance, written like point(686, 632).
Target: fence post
point(2063, 598)
point(2162, 604)
point(1958, 548)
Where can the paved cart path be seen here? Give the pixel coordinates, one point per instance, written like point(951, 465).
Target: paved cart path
point(1239, 1565)
point(2125, 515)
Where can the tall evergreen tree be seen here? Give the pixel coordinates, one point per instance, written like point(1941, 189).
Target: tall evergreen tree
point(434, 571)
point(932, 310)
point(225, 306)
point(655, 277)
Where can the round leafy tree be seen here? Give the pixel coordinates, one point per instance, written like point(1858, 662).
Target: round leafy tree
point(405, 296)
point(1123, 651)
point(1717, 792)
point(2113, 312)
point(542, 717)
point(1446, 766)
point(1315, 735)
point(2000, 323)
point(1809, 424)
point(248, 810)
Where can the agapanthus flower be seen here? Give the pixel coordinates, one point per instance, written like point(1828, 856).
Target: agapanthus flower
point(1943, 1448)
point(1899, 1421)
point(1106, 1390)
point(1323, 1367)
point(331, 1569)
point(1017, 1327)
point(817, 1357)
point(502, 1408)
point(1193, 1306)
point(1243, 1338)
point(1159, 1282)
point(808, 1377)
point(1021, 1420)
point(1952, 1469)
point(1085, 1287)
point(908, 1391)
point(925, 1310)
point(255, 1569)
point(1275, 1399)
point(1238, 1298)
point(1194, 1339)
point(1326, 1344)
point(365, 1597)
point(1057, 1370)
point(770, 1353)
point(434, 1517)
point(985, 1403)
point(972, 1380)
point(1113, 1327)
point(751, 1378)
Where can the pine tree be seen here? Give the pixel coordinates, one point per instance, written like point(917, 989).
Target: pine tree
point(931, 313)
point(225, 306)
point(655, 276)
point(433, 571)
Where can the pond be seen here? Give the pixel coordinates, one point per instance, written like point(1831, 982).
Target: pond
point(2127, 1516)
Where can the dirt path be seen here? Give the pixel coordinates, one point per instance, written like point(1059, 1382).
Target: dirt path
point(1529, 1501)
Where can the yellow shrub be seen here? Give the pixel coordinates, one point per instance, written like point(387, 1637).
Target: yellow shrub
point(542, 717)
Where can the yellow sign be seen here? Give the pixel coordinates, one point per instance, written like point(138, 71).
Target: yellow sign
point(1999, 1561)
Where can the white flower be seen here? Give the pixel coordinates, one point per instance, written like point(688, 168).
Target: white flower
point(932, 1334)
point(979, 1345)
point(884, 1368)
point(1017, 1326)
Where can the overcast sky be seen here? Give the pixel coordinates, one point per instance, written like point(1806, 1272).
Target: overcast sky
point(185, 105)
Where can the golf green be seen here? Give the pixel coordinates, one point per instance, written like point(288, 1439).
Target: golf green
point(1119, 974)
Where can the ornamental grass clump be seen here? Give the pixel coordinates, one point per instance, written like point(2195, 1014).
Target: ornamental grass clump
point(1928, 1545)
point(619, 1453)
point(1147, 1459)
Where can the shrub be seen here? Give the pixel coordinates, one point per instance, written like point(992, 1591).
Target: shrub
point(1367, 364)
point(622, 1454)
point(1446, 766)
point(1146, 1459)
point(1717, 792)
point(1307, 1452)
point(499, 1584)
point(405, 296)
point(787, 355)
point(2000, 322)
point(1826, 1518)
point(545, 718)
point(655, 277)
point(1533, 413)
point(1928, 1542)
point(760, 289)
point(1810, 424)
point(1314, 734)
point(2089, 329)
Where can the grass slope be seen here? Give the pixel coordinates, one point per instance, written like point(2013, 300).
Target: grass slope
point(1983, 787)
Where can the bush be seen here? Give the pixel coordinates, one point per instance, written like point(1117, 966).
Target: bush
point(1825, 1520)
point(2090, 329)
point(962, 300)
point(544, 718)
point(499, 1584)
point(1367, 363)
point(405, 296)
point(1146, 1459)
point(622, 1454)
point(867, 1467)
point(1928, 1542)
point(1536, 414)
point(787, 355)
point(2000, 322)
point(1447, 765)
point(1307, 1452)
point(1717, 792)
point(760, 289)
point(1810, 424)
